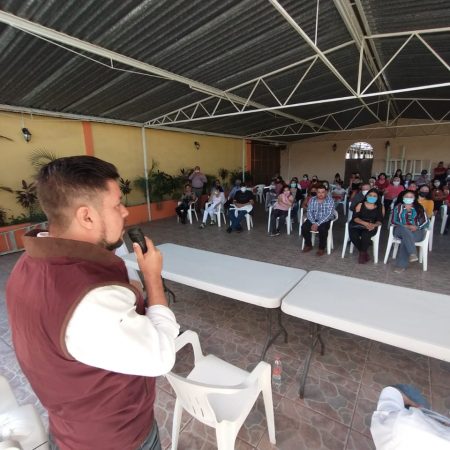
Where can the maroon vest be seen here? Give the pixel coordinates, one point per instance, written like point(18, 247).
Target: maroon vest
point(89, 408)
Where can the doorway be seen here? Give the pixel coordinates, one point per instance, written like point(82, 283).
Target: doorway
point(265, 162)
point(359, 158)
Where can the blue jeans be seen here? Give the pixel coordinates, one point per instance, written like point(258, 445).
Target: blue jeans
point(236, 221)
point(151, 442)
point(407, 247)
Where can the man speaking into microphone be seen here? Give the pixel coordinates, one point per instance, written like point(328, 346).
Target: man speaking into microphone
point(88, 345)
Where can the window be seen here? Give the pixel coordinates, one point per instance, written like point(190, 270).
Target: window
point(359, 150)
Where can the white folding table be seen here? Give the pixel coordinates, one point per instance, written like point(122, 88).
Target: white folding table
point(249, 281)
point(411, 319)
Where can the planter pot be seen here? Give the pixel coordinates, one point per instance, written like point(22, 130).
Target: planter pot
point(11, 236)
point(160, 210)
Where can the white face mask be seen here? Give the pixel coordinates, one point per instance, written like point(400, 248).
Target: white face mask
point(243, 189)
point(437, 184)
point(396, 183)
point(364, 192)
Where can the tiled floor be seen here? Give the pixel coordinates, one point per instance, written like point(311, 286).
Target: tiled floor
point(343, 385)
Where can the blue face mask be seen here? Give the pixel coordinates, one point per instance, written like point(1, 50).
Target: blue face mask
point(293, 185)
point(408, 201)
point(371, 199)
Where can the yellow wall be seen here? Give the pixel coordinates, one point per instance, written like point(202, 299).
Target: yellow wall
point(175, 150)
point(60, 136)
point(120, 145)
point(316, 157)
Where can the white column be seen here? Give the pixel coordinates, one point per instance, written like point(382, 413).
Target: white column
point(147, 193)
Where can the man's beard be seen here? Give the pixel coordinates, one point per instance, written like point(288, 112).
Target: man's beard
point(109, 245)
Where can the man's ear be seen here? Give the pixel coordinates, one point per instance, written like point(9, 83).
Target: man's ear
point(84, 217)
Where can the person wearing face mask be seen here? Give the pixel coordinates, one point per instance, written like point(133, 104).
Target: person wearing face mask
point(372, 182)
point(410, 222)
point(437, 194)
point(367, 216)
point(391, 192)
point(243, 202)
point(407, 181)
point(215, 200)
point(311, 193)
point(359, 196)
point(297, 195)
point(197, 179)
point(279, 183)
point(280, 210)
point(425, 200)
point(338, 192)
point(314, 180)
point(399, 174)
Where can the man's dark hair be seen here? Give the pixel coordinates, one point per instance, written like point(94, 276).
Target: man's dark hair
point(321, 186)
point(63, 181)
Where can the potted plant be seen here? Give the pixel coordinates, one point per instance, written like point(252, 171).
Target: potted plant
point(125, 188)
point(223, 175)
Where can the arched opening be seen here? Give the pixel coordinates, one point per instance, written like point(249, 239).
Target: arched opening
point(359, 158)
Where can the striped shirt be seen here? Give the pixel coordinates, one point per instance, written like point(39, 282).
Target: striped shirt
point(403, 216)
point(320, 212)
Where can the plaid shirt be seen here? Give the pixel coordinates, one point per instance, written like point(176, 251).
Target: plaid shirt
point(320, 212)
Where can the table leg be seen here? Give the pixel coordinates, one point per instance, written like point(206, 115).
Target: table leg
point(170, 294)
point(315, 336)
point(271, 338)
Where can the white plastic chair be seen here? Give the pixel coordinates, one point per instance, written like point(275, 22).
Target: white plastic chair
point(330, 243)
point(248, 218)
point(259, 194)
point(375, 239)
point(190, 211)
point(219, 394)
point(343, 202)
point(220, 213)
point(431, 228)
point(444, 216)
point(21, 426)
point(423, 247)
point(288, 221)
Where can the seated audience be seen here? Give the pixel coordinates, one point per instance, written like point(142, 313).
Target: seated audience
point(280, 210)
point(403, 421)
point(215, 200)
point(423, 178)
point(372, 182)
point(437, 193)
point(412, 186)
point(234, 189)
point(305, 183)
point(320, 213)
point(297, 195)
point(391, 192)
point(425, 200)
point(216, 185)
point(440, 172)
point(410, 222)
point(186, 200)
point(398, 173)
point(407, 180)
point(243, 204)
point(367, 216)
point(360, 195)
point(338, 192)
point(382, 182)
point(311, 193)
point(279, 183)
point(355, 186)
point(271, 196)
point(338, 179)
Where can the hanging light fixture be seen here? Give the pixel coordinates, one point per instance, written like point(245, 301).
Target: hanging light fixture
point(26, 134)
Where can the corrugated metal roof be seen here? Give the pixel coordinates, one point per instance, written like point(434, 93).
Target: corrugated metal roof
point(221, 43)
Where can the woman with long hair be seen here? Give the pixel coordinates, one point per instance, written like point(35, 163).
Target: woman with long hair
point(410, 222)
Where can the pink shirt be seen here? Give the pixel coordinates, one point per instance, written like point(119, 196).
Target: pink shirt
point(304, 184)
point(285, 198)
point(392, 191)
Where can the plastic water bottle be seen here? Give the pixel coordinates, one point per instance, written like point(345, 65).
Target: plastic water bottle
point(277, 370)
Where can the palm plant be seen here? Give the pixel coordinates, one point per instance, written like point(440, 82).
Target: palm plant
point(27, 197)
point(125, 188)
point(41, 157)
